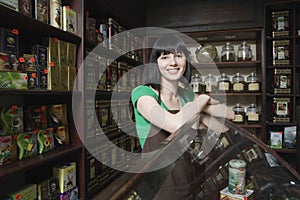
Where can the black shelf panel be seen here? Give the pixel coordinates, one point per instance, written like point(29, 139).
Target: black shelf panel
point(36, 92)
point(237, 64)
point(280, 124)
point(236, 94)
point(35, 161)
point(284, 150)
point(110, 53)
point(12, 19)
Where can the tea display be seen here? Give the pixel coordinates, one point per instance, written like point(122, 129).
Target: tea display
point(281, 110)
point(280, 23)
point(281, 52)
point(282, 81)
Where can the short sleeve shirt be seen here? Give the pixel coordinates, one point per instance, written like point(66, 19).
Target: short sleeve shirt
point(142, 125)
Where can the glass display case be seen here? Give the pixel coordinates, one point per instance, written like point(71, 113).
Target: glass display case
point(266, 175)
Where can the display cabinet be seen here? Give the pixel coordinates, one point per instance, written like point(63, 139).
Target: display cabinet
point(36, 168)
point(267, 175)
point(282, 75)
point(234, 75)
point(109, 78)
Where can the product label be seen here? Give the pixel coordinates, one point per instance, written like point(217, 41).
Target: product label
point(237, 180)
point(224, 86)
point(253, 87)
point(253, 117)
point(238, 87)
point(282, 108)
point(238, 118)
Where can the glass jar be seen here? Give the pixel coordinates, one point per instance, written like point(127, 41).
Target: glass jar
point(253, 84)
point(211, 83)
point(227, 53)
point(224, 83)
point(239, 114)
point(238, 83)
point(252, 114)
point(196, 81)
point(244, 52)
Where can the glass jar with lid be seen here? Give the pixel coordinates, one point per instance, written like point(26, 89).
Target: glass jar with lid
point(227, 53)
point(238, 83)
point(196, 83)
point(253, 84)
point(252, 114)
point(244, 52)
point(224, 83)
point(239, 114)
point(211, 83)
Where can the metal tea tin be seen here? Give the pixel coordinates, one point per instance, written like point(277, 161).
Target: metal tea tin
point(237, 176)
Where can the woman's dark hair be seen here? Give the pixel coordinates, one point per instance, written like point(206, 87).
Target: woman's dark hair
point(165, 45)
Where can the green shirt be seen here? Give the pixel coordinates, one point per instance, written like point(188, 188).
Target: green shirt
point(142, 125)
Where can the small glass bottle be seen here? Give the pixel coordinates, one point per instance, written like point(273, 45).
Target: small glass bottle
point(252, 115)
point(211, 83)
point(239, 114)
point(238, 83)
point(224, 83)
point(253, 84)
point(244, 52)
point(228, 53)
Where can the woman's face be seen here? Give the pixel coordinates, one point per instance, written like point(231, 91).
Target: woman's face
point(172, 66)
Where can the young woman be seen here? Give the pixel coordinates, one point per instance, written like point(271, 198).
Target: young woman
point(161, 103)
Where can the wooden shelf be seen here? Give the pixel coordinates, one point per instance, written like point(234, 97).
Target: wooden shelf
point(235, 94)
point(12, 19)
point(291, 151)
point(37, 92)
point(35, 161)
point(237, 64)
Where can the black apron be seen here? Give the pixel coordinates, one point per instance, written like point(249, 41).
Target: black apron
point(178, 177)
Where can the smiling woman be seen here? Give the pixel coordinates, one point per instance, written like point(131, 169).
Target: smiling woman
point(161, 107)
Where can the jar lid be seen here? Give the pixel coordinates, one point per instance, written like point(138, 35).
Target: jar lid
point(198, 77)
point(244, 46)
point(237, 163)
point(252, 108)
point(228, 46)
point(252, 77)
point(223, 77)
point(238, 77)
point(210, 77)
point(238, 108)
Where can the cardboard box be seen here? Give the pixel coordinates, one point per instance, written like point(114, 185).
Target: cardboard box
point(27, 192)
point(11, 4)
point(55, 13)
point(12, 120)
point(71, 194)
point(226, 195)
point(66, 175)
point(13, 80)
point(48, 189)
point(6, 149)
point(69, 20)
point(27, 145)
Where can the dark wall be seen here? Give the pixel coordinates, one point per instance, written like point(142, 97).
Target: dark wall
point(201, 15)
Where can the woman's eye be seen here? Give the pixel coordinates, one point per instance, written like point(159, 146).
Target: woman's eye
point(163, 57)
point(179, 56)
